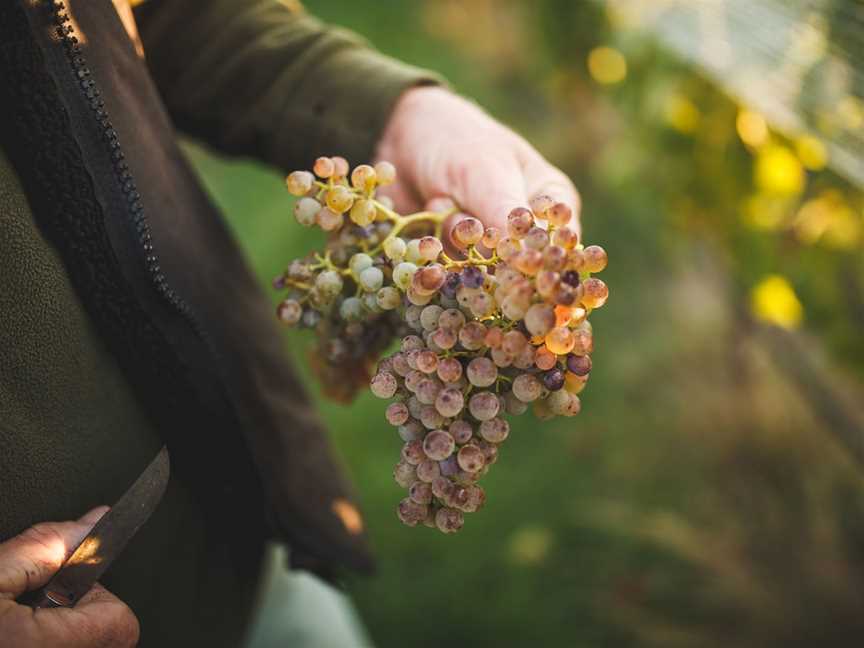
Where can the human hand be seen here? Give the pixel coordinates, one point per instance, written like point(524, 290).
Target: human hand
point(27, 562)
point(444, 145)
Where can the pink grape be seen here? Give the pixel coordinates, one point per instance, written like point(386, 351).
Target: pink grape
point(449, 520)
point(449, 402)
point(428, 470)
point(438, 445)
point(495, 430)
point(471, 458)
point(384, 385)
point(483, 406)
point(397, 413)
point(449, 369)
point(412, 452)
point(482, 372)
point(461, 431)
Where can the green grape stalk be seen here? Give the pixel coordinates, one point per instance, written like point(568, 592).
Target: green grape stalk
point(490, 331)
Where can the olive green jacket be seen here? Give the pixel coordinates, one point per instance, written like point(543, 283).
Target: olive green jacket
point(128, 317)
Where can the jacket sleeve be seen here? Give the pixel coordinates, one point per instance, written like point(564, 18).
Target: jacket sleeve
point(262, 78)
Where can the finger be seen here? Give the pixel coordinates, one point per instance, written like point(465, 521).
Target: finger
point(30, 559)
point(405, 199)
point(99, 619)
point(544, 179)
point(488, 188)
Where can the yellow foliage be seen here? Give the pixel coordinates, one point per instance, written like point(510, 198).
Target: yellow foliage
point(773, 300)
point(811, 151)
point(829, 219)
point(778, 170)
point(607, 65)
point(751, 127)
point(682, 114)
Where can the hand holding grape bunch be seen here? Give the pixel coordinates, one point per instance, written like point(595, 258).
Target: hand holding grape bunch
point(500, 328)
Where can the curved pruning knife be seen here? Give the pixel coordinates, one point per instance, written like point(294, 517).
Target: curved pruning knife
point(94, 555)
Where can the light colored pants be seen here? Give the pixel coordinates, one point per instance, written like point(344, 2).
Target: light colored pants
point(298, 610)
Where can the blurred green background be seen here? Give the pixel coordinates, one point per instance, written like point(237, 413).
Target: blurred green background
point(711, 491)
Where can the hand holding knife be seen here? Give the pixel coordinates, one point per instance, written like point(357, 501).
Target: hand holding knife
point(98, 550)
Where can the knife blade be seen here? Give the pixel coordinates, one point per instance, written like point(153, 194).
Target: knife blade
point(94, 555)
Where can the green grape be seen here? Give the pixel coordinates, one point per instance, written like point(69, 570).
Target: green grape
point(527, 388)
point(328, 220)
point(429, 317)
point(388, 298)
point(386, 173)
point(329, 283)
point(412, 251)
point(299, 183)
point(305, 210)
point(363, 212)
point(351, 309)
point(371, 279)
point(403, 273)
point(339, 199)
point(394, 248)
point(363, 177)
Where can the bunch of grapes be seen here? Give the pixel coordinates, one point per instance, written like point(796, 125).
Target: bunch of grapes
point(494, 329)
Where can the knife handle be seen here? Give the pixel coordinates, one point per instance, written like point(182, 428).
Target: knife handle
point(43, 598)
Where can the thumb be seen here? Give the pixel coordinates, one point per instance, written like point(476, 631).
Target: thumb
point(30, 559)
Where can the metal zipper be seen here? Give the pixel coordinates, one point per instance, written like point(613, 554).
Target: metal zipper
point(66, 33)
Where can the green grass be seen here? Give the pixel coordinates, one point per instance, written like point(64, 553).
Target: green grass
point(535, 568)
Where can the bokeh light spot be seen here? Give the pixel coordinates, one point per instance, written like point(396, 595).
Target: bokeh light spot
point(811, 151)
point(682, 114)
point(773, 300)
point(607, 65)
point(751, 127)
point(530, 545)
point(779, 171)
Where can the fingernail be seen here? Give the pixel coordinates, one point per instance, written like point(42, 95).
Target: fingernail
point(92, 516)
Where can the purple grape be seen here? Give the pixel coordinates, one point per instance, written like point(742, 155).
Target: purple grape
point(579, 365)
point(472, 277)
point(571, 277)
point(451, 285)
point(553, 379)
point(450, 466)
